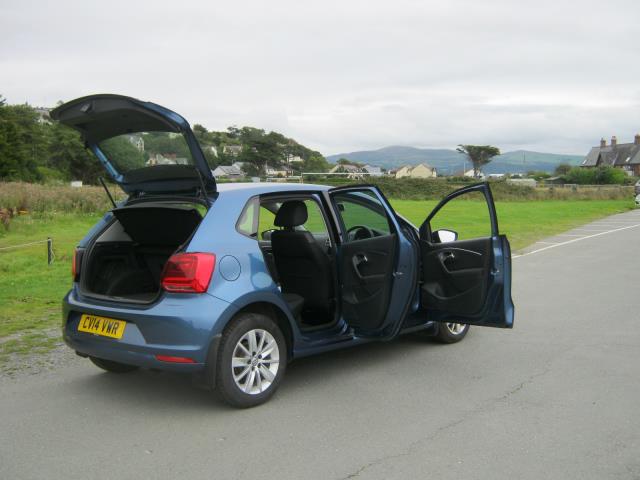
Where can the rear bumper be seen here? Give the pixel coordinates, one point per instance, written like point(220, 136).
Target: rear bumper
point(176, 325)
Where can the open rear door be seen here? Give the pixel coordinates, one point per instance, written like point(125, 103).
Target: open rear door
point(374, 289)
point(466, 275)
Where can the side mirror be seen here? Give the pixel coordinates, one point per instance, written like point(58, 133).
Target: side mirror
point(444, 236)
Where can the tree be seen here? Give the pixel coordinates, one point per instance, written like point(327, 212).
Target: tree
point(479, 155)
point(68, 156)
point(562, 169)
point(22, 143)
point(316, 163)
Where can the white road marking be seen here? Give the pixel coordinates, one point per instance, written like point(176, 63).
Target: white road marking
point(548, 243)
point(575, 240)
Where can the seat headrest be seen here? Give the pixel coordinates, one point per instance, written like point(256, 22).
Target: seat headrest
point(291, 213)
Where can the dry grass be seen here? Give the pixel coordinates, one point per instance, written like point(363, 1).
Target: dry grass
point(20, 197)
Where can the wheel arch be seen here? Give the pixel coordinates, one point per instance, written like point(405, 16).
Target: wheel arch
point(276, 314)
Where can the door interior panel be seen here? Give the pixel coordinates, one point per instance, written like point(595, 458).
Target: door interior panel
point(456, 275)
point(367, 273)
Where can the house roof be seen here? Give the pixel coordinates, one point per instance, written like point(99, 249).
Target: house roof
point(347, 168)
point(423, 165)
point(229, 170)
point(618, 155)
point(412, 167)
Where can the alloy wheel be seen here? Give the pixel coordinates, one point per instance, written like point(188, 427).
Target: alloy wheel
point(456, 328)
point(255, 361)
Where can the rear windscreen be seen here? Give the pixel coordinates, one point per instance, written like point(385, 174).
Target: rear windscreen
point(134, 151)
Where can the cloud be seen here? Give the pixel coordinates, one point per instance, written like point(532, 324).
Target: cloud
point(339, 75)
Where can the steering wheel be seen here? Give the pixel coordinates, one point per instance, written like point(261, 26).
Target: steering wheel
point(360, 232)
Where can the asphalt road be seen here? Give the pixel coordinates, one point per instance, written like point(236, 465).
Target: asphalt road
point(556, 397)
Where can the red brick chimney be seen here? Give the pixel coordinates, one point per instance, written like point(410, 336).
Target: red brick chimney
point(636, 139)
point(614, 141)
point(603, 143)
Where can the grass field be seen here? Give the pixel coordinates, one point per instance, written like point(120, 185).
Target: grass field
point(31, 291)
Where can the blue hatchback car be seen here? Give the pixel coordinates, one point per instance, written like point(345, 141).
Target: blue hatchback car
point(231, 282)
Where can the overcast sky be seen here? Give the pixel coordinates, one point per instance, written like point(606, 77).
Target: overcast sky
point(344, 75)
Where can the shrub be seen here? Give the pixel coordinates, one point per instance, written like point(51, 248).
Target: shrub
point(602, 175)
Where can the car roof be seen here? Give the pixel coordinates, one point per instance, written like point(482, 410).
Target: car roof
point(251, 189)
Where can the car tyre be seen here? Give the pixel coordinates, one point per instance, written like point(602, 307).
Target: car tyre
point(113, 367)
point(451, 332)
point(251, 362)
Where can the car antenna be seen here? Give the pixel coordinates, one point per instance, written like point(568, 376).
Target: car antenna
point(203, 190)
point(104, 185)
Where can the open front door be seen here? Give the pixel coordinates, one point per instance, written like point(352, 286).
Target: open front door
point(466, 271)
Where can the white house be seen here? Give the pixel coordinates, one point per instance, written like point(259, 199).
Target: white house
point(137, 141)
point(470, 173)
point(276, 171)
point(233, 150)
point(294, 159)
point(373, 170)
point(166, 159)
point(43, 114)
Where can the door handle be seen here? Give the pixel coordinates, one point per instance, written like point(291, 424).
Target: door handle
point(446, 259)
point(357, 260)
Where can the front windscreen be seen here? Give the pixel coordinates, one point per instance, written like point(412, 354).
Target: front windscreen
point(134, 151)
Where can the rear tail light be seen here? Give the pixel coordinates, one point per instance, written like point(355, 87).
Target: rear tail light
point(188, 272)
point(76, 264)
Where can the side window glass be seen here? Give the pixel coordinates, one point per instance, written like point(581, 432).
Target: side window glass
point(247, 223)
point(466, 216)
point(267, 219)
point(315, 223)
point(363, 215)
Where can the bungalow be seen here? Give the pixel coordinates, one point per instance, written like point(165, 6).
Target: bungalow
point(421, 170)
point(352, 171)
point(470, 174)
point(228, 171)
point(625, 156)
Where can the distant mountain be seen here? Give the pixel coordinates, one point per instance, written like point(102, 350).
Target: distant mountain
point(449, 161)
